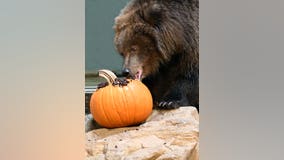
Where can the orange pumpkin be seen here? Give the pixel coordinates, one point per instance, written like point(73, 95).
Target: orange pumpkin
point(120, 104)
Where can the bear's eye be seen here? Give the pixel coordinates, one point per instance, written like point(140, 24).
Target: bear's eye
point(121, 53)
point(133, 49)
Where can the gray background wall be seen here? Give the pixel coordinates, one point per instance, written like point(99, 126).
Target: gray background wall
point(100, 51)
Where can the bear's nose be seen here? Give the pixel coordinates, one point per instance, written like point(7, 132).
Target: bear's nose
point(125, 72)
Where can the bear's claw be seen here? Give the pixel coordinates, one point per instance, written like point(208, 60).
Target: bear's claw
point(167, 105)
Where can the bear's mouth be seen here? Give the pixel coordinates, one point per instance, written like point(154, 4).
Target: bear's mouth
point(138, 74)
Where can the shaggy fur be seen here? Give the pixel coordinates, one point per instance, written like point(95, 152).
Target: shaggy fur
point(159, 41)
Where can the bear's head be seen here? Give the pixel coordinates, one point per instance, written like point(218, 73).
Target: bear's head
point(147, 36)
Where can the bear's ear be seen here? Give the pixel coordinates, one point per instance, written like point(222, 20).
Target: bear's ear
point(153, 14)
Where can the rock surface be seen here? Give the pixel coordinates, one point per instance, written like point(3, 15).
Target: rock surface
point(166, 135)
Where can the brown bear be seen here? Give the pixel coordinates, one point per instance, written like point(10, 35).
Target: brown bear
point(159, 42)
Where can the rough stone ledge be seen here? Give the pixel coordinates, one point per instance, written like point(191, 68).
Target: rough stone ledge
point(166, 135)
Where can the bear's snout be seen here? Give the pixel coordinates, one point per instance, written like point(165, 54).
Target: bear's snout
point(125, 72)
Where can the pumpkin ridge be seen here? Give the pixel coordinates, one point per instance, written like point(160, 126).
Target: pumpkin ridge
point(115, 105)
point(145, 110)
point(125, 105)
point(135, 102)
point(102, 109)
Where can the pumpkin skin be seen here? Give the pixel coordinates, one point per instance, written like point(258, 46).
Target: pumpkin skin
point(119, 106)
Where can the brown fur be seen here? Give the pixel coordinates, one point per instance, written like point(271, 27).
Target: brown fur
point(161, 38)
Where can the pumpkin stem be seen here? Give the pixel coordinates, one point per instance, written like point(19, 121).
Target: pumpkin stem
point(108, 75)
